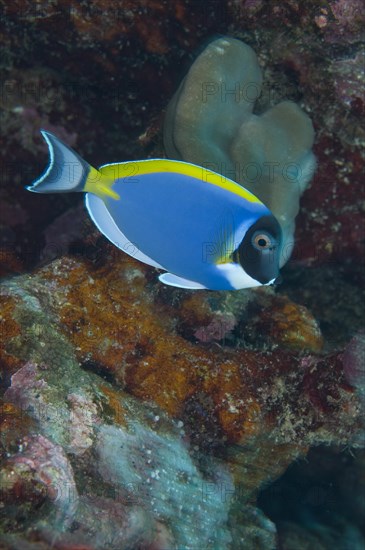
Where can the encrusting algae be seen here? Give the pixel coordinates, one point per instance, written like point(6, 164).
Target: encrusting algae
point(129, 384)
point(130, 341)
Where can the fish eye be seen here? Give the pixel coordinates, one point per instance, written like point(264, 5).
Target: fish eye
point(261, 240)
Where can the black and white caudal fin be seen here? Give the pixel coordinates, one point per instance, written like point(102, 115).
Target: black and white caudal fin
point(66, 171)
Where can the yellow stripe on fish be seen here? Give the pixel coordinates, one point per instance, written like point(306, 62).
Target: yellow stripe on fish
point(150, 166)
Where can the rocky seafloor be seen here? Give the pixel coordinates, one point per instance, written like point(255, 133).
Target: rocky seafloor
point(139, 416)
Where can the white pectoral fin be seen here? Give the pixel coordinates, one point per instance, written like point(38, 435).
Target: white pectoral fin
point(104, 222)
point(180, 282)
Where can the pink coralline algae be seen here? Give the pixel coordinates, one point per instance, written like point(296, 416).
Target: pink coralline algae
point(32, 393)
point(345, 21)
point(354, 362)
point(30, 120)
point(218, 329)
point(349, 80)
point(42, 465)
point(83, 419)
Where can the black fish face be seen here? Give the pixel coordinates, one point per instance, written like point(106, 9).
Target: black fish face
point(259, 250)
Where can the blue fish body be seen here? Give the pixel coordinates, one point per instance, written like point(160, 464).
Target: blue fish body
point(203, 229)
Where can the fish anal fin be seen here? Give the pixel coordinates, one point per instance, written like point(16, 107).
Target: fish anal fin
point(103, 220)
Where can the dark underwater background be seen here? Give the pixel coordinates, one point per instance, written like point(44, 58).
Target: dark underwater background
point(139, 416)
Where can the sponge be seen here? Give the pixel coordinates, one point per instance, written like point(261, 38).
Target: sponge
point(210, 122)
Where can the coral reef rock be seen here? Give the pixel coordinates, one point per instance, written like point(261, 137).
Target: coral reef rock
point(115, 404)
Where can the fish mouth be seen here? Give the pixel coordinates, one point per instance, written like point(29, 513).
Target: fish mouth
point(279, 280)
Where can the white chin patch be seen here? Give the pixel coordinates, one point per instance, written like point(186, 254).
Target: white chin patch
point(237, 277)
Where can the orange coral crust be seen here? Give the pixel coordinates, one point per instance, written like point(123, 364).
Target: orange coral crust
point(9, 329)
point(293, 325)
point(123, 325)
point(113, 326)
point(115, 404)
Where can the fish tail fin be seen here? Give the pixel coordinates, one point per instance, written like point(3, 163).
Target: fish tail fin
point(68, 172)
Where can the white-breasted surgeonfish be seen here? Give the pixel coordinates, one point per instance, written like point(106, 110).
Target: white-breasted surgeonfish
point(203, 229)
